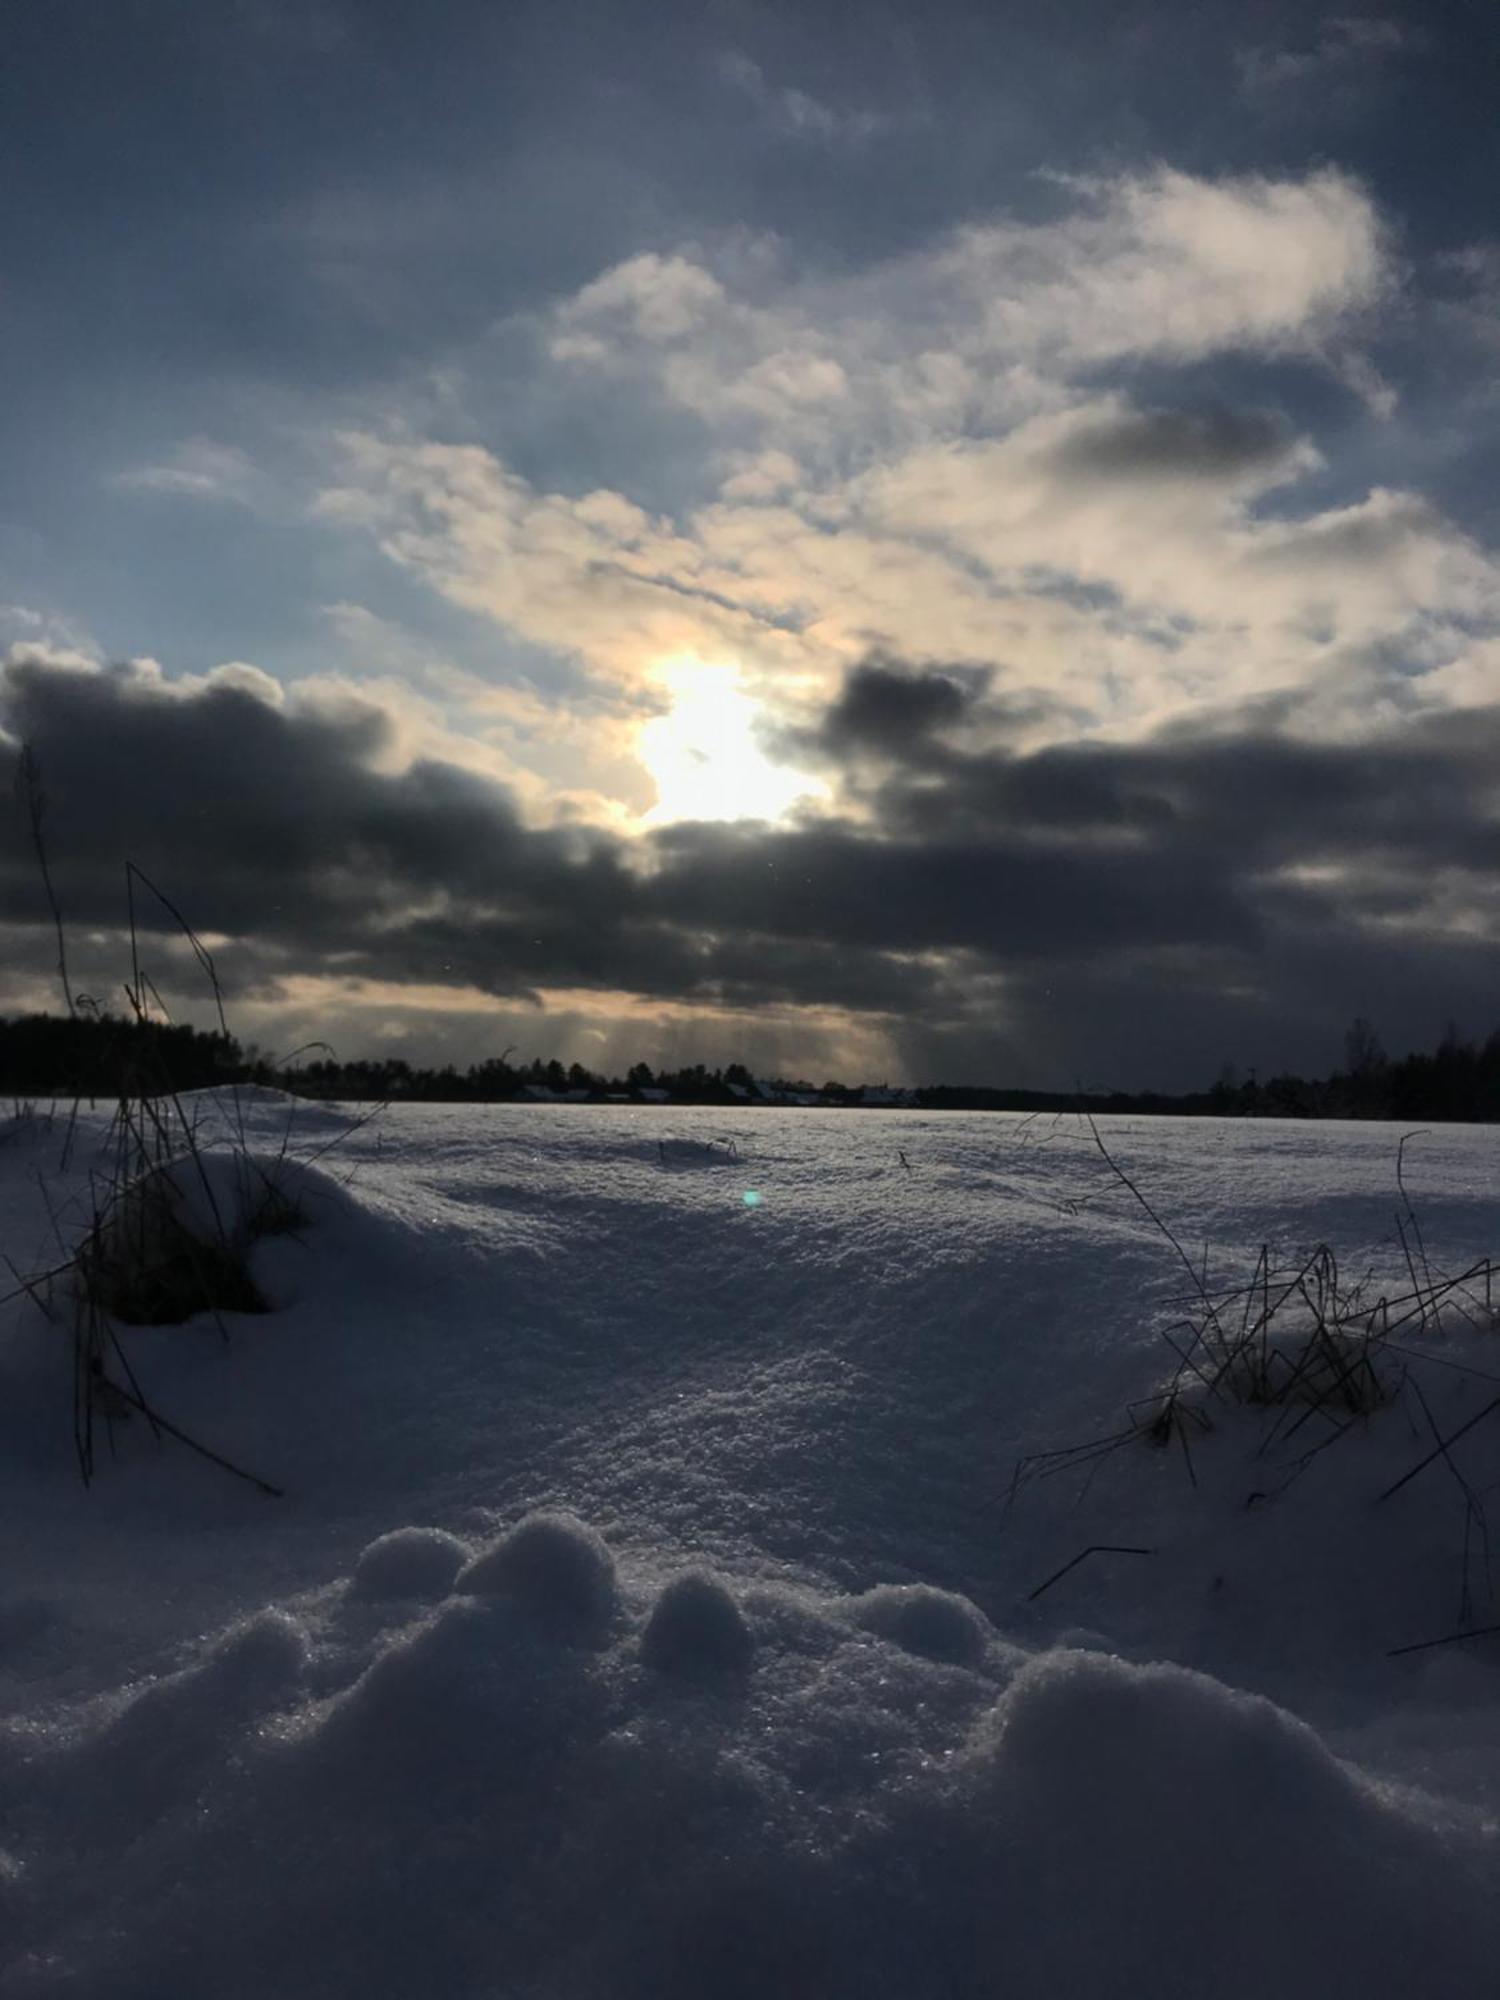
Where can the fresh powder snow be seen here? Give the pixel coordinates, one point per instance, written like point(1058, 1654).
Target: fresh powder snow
point(653, 1606)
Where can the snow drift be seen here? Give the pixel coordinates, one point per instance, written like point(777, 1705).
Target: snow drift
point(736, 1792)
point(646, 1614)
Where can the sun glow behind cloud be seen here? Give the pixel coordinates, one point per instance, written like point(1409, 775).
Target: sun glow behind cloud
point(704, 753)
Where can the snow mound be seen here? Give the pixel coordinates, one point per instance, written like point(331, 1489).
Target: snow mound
point(938, 1624)
point(232, 1194)
point(556, 1569)
point(473, 1697)
point(697, 1627)
point(1184, 1813)
point(409, 1562)
point(244, 1672)
point(467, 1802)
point(153, 1746)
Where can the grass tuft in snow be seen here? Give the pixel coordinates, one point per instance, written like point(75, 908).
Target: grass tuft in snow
point(171, 1222)
point(1316, 1357)
point(164, 1250)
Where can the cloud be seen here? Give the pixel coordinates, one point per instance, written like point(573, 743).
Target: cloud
point(1468, 302)
point(948, 453)
point(651, 297)
point(1162, 510)
point(1030, 913)
point(1343, 53)
point(795, 113)
point(1113, 565)
point(293, 822)
point(198, 469)
point(26, 630)
point(1166, 264)
point(991, 319)
point(596, 577)
point(1214, 445)
point(889, 710)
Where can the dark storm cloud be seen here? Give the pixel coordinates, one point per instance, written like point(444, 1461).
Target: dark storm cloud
point(1240, 803)
point(279, 825)
point(1173, 444)
point(1135, 911)
point(1006, 897)
point(890, 713)
point(884, 707)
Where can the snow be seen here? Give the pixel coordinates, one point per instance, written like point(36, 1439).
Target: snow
point(652, 1608)
point(409, 1562)
point(695, 1626)
point(554, 1568)
point(939, 1624)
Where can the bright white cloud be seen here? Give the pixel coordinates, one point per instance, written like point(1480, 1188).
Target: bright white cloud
point(924, 456)
point(1167, 265)
point(24, 629)
point(1114, 562)
point(655, 298)
point(995, 321)
point(597, 576)
point(1182, 538)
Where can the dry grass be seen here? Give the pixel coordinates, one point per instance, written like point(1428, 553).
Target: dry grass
point(167, 1234)
point(1318, 1355)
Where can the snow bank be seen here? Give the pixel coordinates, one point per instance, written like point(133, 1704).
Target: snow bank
point(466, 1801)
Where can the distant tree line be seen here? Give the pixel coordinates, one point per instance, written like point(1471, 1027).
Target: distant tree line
point(1457, 1081)
point(94, 1054)
point(498, 1078)
point(91, 1053)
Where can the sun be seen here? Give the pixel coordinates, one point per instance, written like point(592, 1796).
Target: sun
point(705, 755)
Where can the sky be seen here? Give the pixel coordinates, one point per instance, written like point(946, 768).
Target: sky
point(903, 543)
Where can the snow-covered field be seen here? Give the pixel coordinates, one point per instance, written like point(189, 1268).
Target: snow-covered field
point(648, 1611)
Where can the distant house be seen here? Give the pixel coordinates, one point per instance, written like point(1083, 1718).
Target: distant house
point(882, 1093)
point(766, 1093)
point(578, 1096)
point(539, 1093)
point(652, 1094)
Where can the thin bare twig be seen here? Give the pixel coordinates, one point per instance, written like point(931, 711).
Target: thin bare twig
point(1093, 1549)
